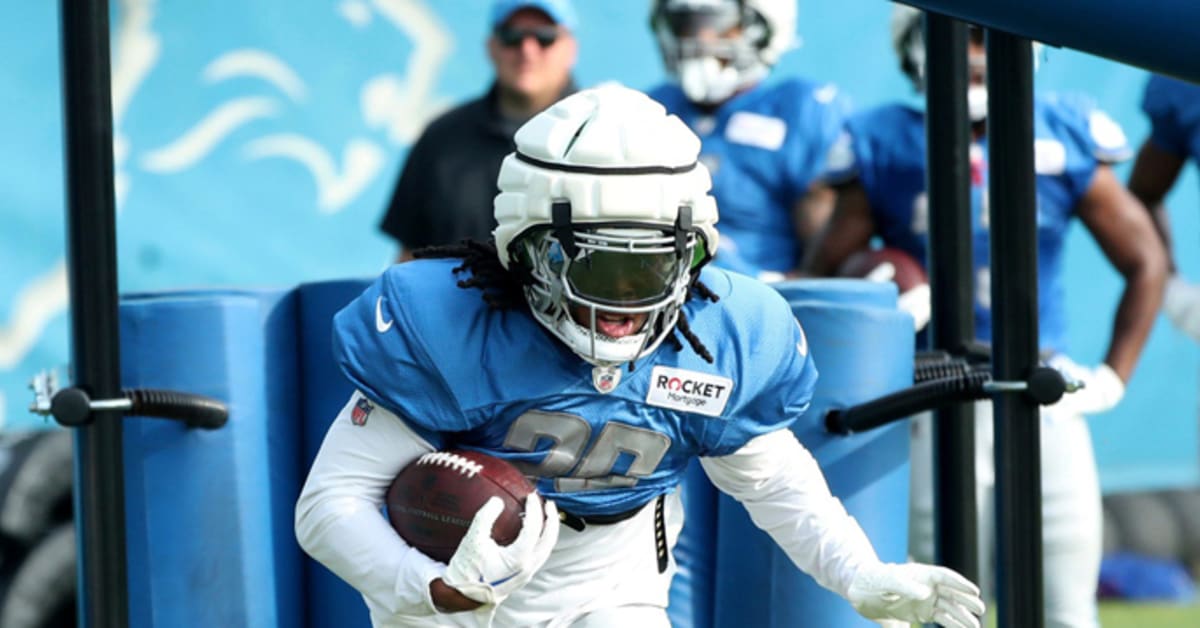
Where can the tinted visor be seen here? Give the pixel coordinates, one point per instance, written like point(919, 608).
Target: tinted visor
point(691, 22)
point(624, 278)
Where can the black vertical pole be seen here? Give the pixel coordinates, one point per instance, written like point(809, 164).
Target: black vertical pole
point(1013, 200)
point(948, 181)
point(92, 273)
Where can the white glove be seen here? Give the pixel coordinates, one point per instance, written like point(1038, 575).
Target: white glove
point(914, 592)
point(1182, 305)
point(1102, 387)
point(488, 573)
point(916, 300)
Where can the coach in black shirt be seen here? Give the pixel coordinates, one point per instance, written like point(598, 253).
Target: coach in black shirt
point(446, 188)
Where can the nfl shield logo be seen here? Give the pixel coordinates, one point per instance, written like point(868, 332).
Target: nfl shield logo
point(606, 378)
point(362, 410)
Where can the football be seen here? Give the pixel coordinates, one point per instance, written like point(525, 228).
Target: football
point(432, 501)
point(885, 264)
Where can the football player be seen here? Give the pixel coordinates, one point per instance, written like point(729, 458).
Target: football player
point(878, 167)
point(764, 144)
point(1174, 111)
point(592, 347)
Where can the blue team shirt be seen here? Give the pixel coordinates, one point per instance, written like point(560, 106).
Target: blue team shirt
point(764, 147)
point(1174, 111)
point(467, 376)
point(885, 149)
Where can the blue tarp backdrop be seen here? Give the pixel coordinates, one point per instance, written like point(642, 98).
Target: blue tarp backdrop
point(256, 144)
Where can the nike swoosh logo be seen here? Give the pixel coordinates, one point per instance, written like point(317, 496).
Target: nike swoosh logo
point(502, 580)
point(381, 325)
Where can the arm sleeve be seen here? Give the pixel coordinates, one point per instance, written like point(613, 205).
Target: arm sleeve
point(779, 483)
point(338, 518)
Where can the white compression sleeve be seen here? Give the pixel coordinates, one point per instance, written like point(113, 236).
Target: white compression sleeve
point(338, 518)
point(783, 489)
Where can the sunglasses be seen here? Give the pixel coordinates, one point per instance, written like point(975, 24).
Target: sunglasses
point(510, 37)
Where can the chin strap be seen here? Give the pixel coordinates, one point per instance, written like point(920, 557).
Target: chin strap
point(560, 220)
point(683, 226)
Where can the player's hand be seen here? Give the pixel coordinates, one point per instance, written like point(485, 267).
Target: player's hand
point(916, 300)
point(918, 593)
point(1182, 305)
point(1102, 388)
point(487, 572)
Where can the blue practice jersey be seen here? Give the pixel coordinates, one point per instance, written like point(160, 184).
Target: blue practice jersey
point(1174, 111)
point(464, 375)
point(884, 149)
point(764, 147)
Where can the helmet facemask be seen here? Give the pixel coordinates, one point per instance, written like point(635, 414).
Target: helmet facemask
point(908, 39)
point(611, 292)
point(699, 50)
point(604, 216)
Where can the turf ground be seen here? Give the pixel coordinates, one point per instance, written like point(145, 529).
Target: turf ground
point(1127, 615)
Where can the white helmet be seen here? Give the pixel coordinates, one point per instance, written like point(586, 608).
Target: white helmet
point(908, 40)
point(604, 208)
point(712, 70)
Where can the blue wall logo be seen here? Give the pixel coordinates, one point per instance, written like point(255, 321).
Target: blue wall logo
point(242, 153)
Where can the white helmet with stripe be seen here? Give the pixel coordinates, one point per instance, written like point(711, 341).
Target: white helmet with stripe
point(604, 207)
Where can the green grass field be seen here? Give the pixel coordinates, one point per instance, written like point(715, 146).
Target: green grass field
point(1127, 615)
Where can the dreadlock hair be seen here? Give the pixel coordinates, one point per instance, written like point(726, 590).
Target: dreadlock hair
point(504, 289)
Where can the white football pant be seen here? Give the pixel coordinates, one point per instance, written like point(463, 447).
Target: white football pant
point(605, 576)
point(1071, 510)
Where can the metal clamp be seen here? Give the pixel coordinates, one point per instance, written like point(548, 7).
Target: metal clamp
point(994, 386)
point(69, 406)
point(44, 385)
point(1044, 386)
point(73, 407)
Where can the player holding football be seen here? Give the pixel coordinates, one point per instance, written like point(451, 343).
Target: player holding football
point(1174, 111)
point(764, 145)
point(879, 168)
point(593, 348)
